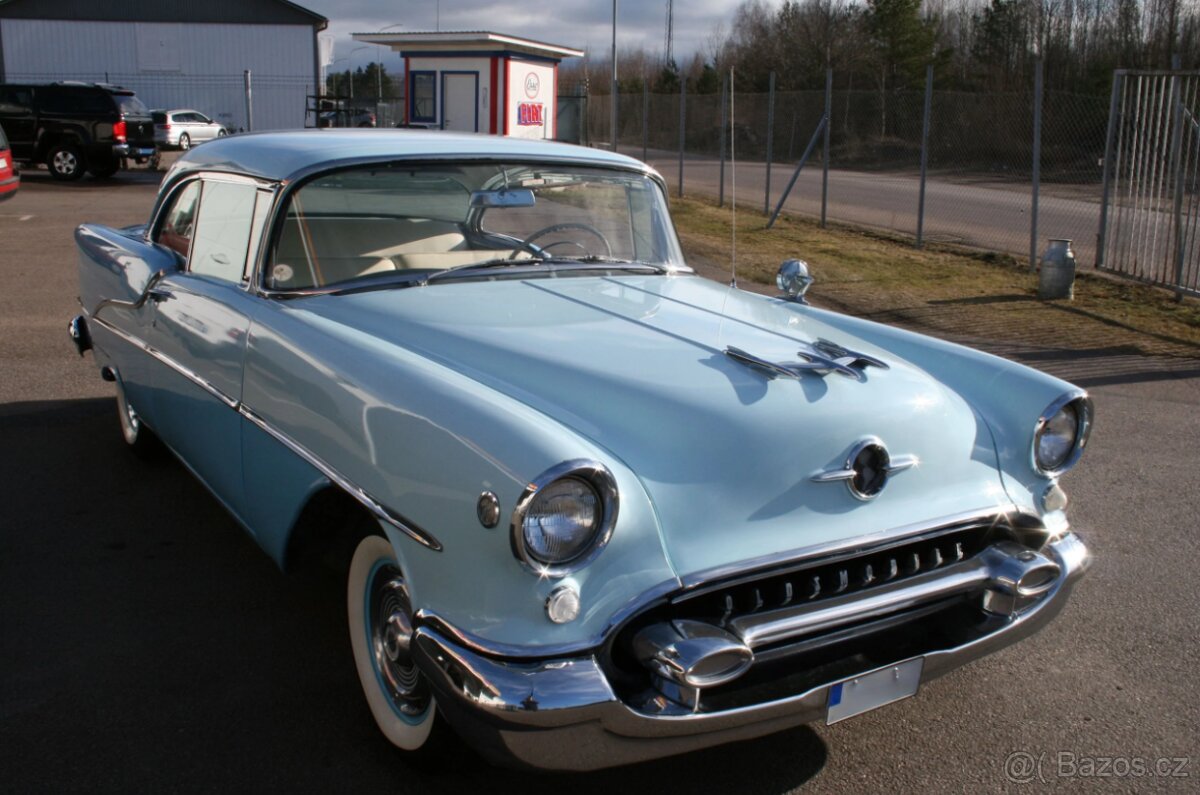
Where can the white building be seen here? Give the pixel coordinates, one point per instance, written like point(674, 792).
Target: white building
point(173, 54)
point(478, 81)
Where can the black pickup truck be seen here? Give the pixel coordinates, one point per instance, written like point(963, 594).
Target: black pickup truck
point(75, 127)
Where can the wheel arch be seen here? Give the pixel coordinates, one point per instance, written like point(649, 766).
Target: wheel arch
point(326, 529)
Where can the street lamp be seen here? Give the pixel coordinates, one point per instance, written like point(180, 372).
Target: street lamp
point(351, 66)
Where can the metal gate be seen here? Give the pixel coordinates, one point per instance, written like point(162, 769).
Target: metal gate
point(1150, 204)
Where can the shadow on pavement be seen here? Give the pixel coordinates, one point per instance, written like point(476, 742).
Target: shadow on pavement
point(150, 645)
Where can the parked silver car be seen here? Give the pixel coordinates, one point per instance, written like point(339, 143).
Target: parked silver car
point(179, 129)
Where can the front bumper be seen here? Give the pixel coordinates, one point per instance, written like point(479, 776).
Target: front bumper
point(564, 715)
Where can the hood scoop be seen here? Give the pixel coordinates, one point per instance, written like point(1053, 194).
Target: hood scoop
point(820, 358)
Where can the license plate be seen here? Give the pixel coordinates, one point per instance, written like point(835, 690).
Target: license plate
point(866, 692)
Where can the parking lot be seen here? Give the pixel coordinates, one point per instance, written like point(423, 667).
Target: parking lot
point(148, 645)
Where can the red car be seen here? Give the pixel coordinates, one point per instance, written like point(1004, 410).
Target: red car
point(10, 179)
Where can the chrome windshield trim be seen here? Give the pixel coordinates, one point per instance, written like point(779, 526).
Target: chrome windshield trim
point(377, 509)
point(722, 576)
point(186, 372)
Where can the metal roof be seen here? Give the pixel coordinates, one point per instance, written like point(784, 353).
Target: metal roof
point(261, 12)
point(483, 41)
point(278, 156)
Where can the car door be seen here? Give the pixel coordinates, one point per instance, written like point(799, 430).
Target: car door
point(205, 129)
point(201, 319)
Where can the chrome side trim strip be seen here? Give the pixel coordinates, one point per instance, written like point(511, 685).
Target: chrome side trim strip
point(231, 402)
point(373, 505)
point(381, 512)
point(756, 567)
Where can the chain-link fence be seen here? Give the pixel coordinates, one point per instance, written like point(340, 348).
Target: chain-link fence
point(979, 188)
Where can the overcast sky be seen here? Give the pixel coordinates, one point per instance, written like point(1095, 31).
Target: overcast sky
point(585, 24)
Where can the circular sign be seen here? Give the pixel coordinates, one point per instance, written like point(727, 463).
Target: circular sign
point(532, 85)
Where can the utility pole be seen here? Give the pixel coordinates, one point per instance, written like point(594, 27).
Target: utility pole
point(613, 98)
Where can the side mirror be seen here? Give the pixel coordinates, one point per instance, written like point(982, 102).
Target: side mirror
point(793, 279)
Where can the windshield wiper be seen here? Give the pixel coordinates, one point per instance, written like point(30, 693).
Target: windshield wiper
point(499, 262)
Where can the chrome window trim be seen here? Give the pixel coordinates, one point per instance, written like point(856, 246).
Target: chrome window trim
point(377, 509)
point(1086, 413)
point(596, 475)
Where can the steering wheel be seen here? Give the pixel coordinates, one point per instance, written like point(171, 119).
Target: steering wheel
point(527, 243)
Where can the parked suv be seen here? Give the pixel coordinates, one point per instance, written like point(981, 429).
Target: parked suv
point(75, 127)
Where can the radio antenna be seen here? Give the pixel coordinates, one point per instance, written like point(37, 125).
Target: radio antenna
point(733, 179)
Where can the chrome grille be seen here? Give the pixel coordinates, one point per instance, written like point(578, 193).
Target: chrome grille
point(847, 575)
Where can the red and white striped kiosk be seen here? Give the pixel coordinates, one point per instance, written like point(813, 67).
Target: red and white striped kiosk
point(477, 81)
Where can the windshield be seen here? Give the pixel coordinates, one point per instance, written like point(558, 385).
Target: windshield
point(414, 222)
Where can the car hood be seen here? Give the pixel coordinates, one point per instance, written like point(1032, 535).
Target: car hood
point(726, 453)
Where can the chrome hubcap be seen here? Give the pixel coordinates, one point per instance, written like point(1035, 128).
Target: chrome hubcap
point(390, 633)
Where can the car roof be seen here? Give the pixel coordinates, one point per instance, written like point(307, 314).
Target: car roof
point(279, 156)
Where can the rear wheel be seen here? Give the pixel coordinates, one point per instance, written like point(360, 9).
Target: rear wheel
point(139, 438)
point(380, 614)
point(221, 133)
point(185, 142)
point(65, 162)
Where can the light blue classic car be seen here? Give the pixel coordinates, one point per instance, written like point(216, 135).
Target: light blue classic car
point(596, 509)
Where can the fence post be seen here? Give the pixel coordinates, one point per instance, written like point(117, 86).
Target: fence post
point(724, 121)
point(825, 147)
point(682, 128)
point(1177, 168)
point(645, 116)
point(1106, 180)
point(249, 101)
point(770, 138)
point(1037, 160)
point(924, 154)
point(612, 111)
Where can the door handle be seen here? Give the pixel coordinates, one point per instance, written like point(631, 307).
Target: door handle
point(159, 294)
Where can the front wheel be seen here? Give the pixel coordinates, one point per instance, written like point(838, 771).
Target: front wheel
point(380, 614)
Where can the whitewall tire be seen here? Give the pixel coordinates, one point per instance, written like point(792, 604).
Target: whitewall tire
point(380, 614)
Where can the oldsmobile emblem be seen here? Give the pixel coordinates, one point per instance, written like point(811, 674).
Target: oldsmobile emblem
point(867, 468)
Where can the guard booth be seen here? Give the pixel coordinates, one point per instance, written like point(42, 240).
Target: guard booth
point(478, 81)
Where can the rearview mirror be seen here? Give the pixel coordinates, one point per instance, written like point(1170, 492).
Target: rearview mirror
point(505, 197)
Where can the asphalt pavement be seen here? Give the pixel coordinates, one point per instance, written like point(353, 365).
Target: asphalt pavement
point(147, 645)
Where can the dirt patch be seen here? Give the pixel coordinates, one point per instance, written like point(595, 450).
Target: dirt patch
point(939, 290)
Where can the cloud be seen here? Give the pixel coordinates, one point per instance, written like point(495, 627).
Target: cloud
point(585, 24)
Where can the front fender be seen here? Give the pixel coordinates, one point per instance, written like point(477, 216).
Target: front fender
point(426, 441)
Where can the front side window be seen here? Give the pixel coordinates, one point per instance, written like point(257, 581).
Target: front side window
point(409, 222)
point(222, 237)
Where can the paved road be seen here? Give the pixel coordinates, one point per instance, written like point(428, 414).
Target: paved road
point(984, 214)
point(147, 645)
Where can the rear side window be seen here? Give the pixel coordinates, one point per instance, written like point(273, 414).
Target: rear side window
point(3, 140)
point(71, 101)
point(223, 230)
point(15, 100)
point(130, 105)
point(177, 226)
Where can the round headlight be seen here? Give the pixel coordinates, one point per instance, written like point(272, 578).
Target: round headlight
point(561, 521)
point(1061, 434)
point(565, 517)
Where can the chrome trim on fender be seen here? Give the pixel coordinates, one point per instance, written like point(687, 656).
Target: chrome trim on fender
point(373, 505)
point(187, 373)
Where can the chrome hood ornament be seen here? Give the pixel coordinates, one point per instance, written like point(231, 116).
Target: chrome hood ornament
point(821, 357)
point(867, 469)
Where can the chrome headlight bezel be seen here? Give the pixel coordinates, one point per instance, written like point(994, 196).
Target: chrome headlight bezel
point(601, 480)
point(1084, 413)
